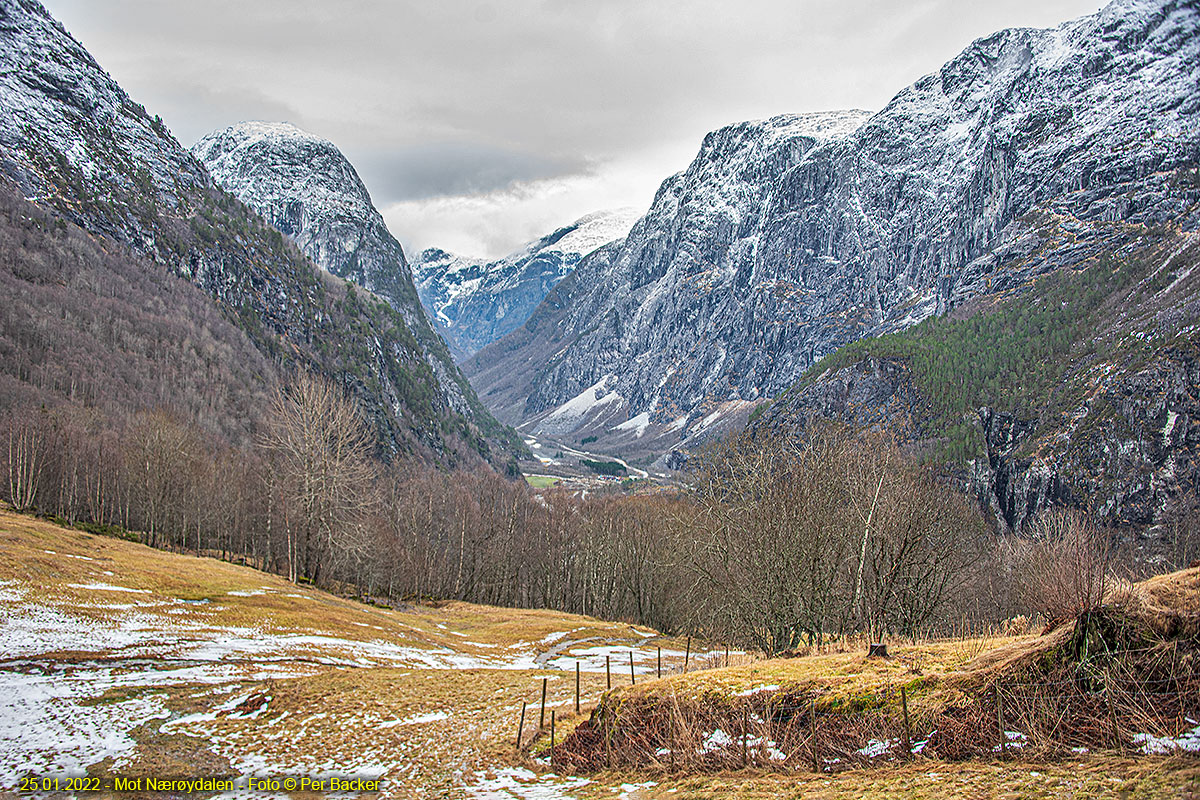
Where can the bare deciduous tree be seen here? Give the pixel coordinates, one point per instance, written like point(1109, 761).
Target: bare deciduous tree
point(843, 531)
point(25, 444)
point(320, 449)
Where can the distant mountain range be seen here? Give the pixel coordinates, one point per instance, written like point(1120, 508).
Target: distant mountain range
point(478, 301)
point(1000, 261)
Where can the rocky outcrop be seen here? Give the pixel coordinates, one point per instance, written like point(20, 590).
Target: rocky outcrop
point(1136, 465)
point(477, 301)
point(75, 143)
point(305, 187)
point(874, 391)
point(788, 238)
point(1114, 431)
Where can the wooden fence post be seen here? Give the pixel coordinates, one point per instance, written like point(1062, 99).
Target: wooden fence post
point(687, 654)
point(632, 680)
point(745, 736)
point(551, 737)
point(607, 743)
point(812, 735)
point(577, 686)
point(1112, 718)
point(607, 673)
point(521, 727)
point(1000, 723)
point(542, 718)
point(727, 655)
point(907, 728)
point(660, 661)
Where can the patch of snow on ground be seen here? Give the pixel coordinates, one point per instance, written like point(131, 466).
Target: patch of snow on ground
point(757, 690)
point(717, 740)
point(419, 719)
point(920, 746)
point(107, 587)
point(69, 555)
point(636, 424)
point(1016, 740)
point(581, 404)
point(876, 748)
point(30, 629)
point(591, 659)
point(1188, 742)
point(48, 727)
point(522, 784)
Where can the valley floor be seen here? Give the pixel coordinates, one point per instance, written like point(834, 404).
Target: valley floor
point(116, 659)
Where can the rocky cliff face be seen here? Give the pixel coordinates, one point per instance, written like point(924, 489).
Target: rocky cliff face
point(1107, 423)
point(477, 301)
point(74, 142)
point(305, 187)
point(71, 138)
point(788, 238)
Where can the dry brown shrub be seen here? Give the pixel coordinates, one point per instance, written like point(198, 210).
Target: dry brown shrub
point(1063, 571)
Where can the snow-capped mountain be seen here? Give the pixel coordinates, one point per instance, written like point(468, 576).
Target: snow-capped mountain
point(74, 142)
point(305, 187)
point(477, 301)
point(68, 131)
point(789, 237)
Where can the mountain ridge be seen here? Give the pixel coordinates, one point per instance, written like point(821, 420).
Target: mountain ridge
point(736, 282)
point(304, 186)
point(476, 301)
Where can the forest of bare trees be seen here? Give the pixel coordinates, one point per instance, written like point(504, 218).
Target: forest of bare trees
point(775, 542)
point(842, 531)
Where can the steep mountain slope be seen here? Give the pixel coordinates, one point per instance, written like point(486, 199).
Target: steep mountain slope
point(479, 301)
point(304, 186)
point(75, 143)
point(72, 303)
point(788, 238)
point(1082, 389)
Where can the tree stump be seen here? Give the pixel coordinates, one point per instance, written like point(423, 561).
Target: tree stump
point(877, 650)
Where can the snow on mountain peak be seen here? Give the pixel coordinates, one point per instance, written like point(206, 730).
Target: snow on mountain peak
point(479, 301)
point(589, 232)
point(275, 163)
point(788, 237)
point(250, 130)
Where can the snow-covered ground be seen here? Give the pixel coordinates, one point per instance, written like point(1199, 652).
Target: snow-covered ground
point(79, 677)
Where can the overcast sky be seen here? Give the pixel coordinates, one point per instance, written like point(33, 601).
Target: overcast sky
point(478, 125)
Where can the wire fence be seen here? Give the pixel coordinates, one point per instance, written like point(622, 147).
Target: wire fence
point(823, 731)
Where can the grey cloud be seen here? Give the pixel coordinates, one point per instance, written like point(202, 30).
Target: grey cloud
point(463, 96)
point(437, 169)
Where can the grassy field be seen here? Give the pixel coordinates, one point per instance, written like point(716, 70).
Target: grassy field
point(541, 481)
point(116, 659)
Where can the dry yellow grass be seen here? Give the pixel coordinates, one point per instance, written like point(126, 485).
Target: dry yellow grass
point(51, 559)
point(344, 716)
point(1097, 777)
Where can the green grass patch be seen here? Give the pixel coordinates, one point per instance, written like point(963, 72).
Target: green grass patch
point(541, 481)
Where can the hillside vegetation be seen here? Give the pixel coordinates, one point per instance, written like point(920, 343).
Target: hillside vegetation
point(1120, 677)
point(1033, 352)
